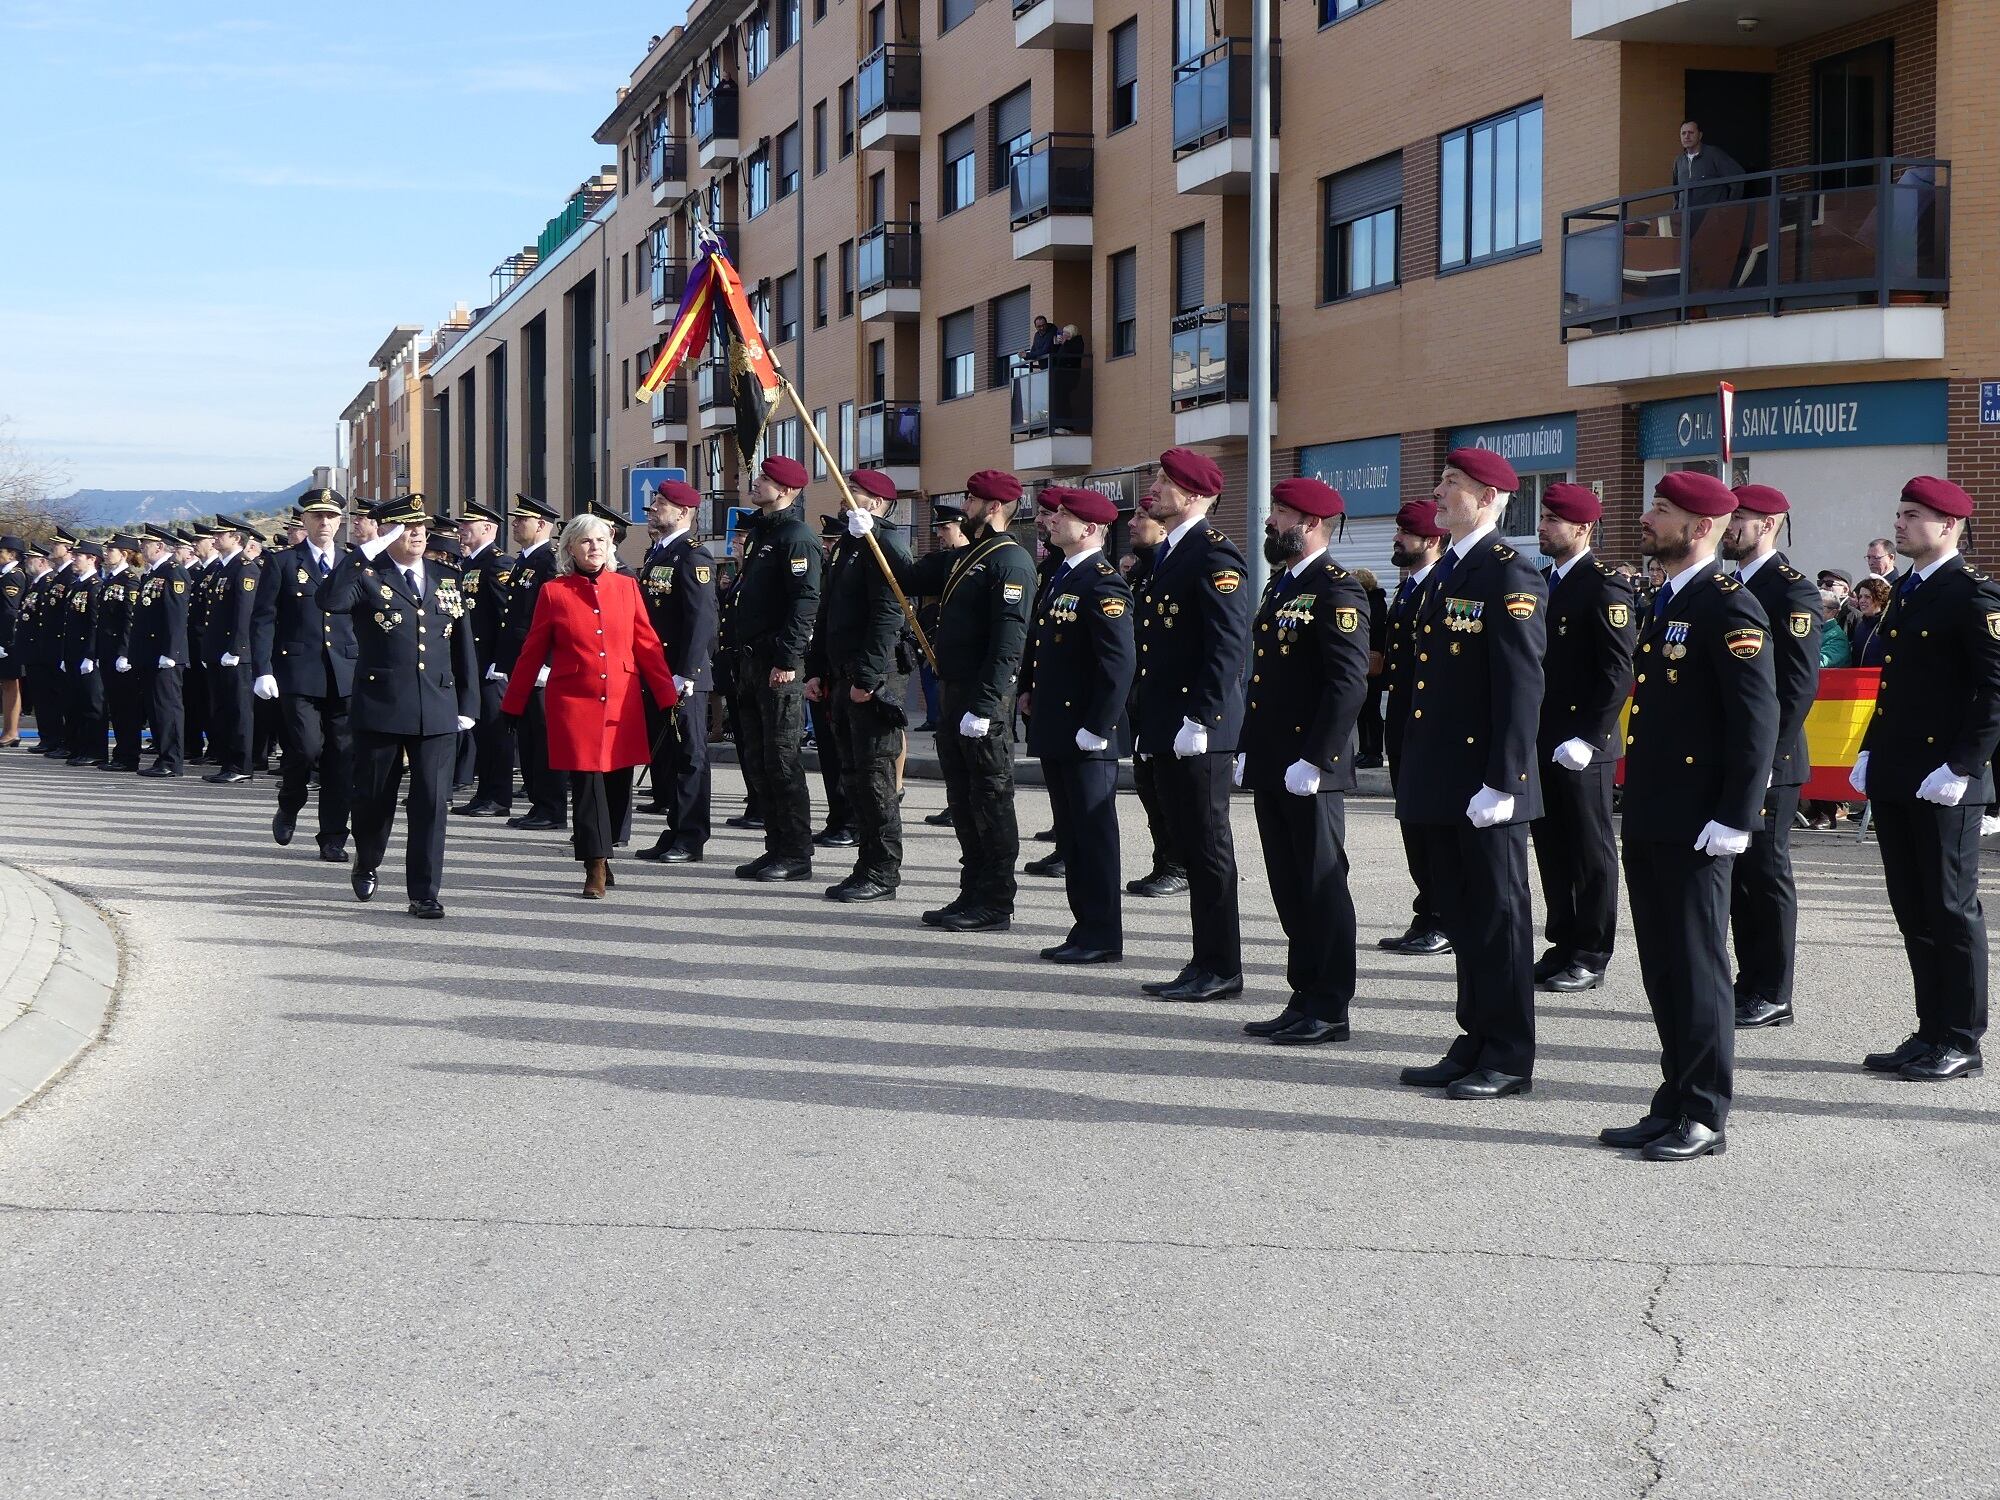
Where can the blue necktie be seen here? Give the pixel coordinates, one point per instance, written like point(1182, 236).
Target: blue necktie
point(1403, 594)
point(1909, 584)
point(324, 567)
point(1661, 600)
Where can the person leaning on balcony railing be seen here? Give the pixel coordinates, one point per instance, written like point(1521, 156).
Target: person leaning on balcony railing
point(1700, 162)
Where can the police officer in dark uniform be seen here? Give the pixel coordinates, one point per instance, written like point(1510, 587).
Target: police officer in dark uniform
point(1194, 650)
point(677, 579)
point(1075, 679)
point(1587, 675)
point(1763, 899)
point(1308, 678)
point(1050, 563)
point(46, 678)
point(484, 576)
point(414, 691)
point(304, 659)
point(839, 830)
point(1168, 873)
point(200, 723)
point(226, 648)
point(1704, 727)
point(83, 706)
point(534, 565)
point(159, 649)
point(1470, 780)
point(770, 624)
point(122, 702)
point(1926, 768)
point(1419, 543)
point(946, 519)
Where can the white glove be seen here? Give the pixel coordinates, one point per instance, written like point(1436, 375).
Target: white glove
point(1236, 770)
point(1302, 779)
point(542, 678)
point(123, 664)
point(1858, 777)
point(1718, 839)
point(231, 659)
point(85, 667)
point(1488, 808)
point(1573, 755)
point(265, 687)
point(1085, 740)
point(164, 663)
point(62, 666)
point(463, 722)
point(681, 687)
point(1944, 786)
point(974, 728)
point(859, 522)
point(373, 550)
point(1770, 780)
point(1192, 739)
point(3, 653)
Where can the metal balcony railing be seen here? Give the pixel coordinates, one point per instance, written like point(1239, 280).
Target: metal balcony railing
point(667, 159)
point(1209, 355)
point(711, 383)
point(1052, 174)
point(889, 435)
point(1051, 397)
point(890, 77)
point(887, 256)
point(1211, 95)
point(715, 115)
point(670, 404)
point(669, 281)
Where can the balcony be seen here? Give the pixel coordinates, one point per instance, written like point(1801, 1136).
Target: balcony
point(886, 266)
point(888, 436)
point(670, 413)
point(669, 282)
point(1212, 119)
point(1049, 416)
point(1715, 23)
point(714, 402)
point(715, 126)
point(1053, 24)
point(1208, 372)
point(1050, 191)
point(887, 91)
point(717, 505)
point(1847, 263)
point(666, 168)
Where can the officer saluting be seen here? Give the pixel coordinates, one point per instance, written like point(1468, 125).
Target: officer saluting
point(484, 586)
point(159, 648)
point(677, 580)
point(1926, 768)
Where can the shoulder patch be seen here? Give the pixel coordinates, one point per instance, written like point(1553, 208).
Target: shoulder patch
point(1011, 593)
point(1744, 644)
point(1346, 619)
point(1993, 626)
point(1104, 567)
point(1334, 569)
point(1504, 552)
point(1216, 536)
point(1620, 615)
point(1520, 606)
point(1226, 580)
point(249, 583)
point(1112, 605)
point(799, 565)
point(1789, 574)
point(1801, 623)
point(1727, 584)
point(1604, 568)
point(702, 573)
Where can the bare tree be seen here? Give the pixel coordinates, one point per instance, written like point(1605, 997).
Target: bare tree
point(27, 486)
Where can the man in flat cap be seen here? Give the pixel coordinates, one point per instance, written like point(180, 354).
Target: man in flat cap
point(678, 580)
point(486, 571)
point(159, 648)
point(1308, 677)
point(1926, 769)
point(1076, 676)
point(1763, 900)
point(1194, 654)
point(534, 565)
point(1419, 542)
point(124, 708)
point(1698, 753)
point(1593, 624)
point(1471, 782)
point(771, 611)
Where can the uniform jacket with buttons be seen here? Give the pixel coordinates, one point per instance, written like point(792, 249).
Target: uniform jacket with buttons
point(525, 579)
point(119, 600)
point(1476, 688)
point(1080, 662)
point(1194, 643)
point(1308, 677)
point(771, 608)
point(232, 599)
point(1399, 652)
point(484, 583)
point(1790, 601)
point(49, 593)
point(201, 588)
point(13, 586)
point(598, 644)
point(1587, 674)
point(986, 594)
point(309, 651)
point(159, 626)
point(679, 585)
point(1939, 701)
point(414, 668)
point(76, 630)
point(1704, 722)
point(860, 621)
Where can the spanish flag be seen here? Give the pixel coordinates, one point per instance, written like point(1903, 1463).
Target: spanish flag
point(754, 379)
point(688, 332)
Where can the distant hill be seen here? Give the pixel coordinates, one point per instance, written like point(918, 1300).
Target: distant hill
point(125, 507)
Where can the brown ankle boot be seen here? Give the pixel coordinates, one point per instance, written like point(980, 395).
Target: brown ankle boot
point(594, 872)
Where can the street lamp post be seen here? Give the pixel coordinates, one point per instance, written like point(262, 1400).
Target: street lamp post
point(1256, 503)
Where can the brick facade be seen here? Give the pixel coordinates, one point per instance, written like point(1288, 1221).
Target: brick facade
point(1975, 464)
point(1607, 452)
point(1912, 32)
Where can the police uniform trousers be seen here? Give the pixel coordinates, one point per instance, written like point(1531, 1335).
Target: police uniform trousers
point(1305, 857)
point(315, 735)
point(492, 748)
point(1680, 924)
point(1167, 858)
point(547, 788)
point(84, 724)
point(1576, 853)
point(1930, 861)
point(1083, 794)
point(1764, 904)
point(194, 709)
point(263, 728)
point(979, 790)
point(229, 720)
point(832, 751)
point(680, 766)
point(1194, 795)
point(50, 686)
point(1055, 808)
point(869, 737)
point(1480, 884)
point(125, 701)
point(378, 782)
point(160, 690)
point(1416, 850)
point(769, 724)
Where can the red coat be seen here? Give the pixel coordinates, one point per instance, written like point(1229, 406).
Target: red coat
point(597, 642)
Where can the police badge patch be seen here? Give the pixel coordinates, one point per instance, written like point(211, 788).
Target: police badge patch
point(1802, 624)
point(1620, 615)
point(1112, 606)
point(1520, 606)
point(799, 567)
point(1347, 620)
point(1228, 581)
point(1993, 626)
point(701, 574)
point(1011, 592)
point(1744, 644)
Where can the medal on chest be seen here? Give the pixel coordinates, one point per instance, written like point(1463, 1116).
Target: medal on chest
point(1463, 615)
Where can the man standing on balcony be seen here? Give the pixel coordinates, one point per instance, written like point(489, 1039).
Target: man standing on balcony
point(535, 565)
point(1700, 162)
point(677, 580)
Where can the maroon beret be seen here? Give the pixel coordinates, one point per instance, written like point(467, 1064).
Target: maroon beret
point(994, 484)
point(678, 492)
point(1941, 495)
point(1697, 493)
point(1192, 472)
point(1761, 500)
point(1309, 497)
point(1575, 503)
point(786, 471)
point(1085, 505)
point(1419, 518)
point(1484, 466)
point(1049, 498)
point(873, 482)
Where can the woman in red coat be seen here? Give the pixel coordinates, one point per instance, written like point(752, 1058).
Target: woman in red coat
point(591, 630)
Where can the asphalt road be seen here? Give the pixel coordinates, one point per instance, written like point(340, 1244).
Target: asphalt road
point(717, 1190)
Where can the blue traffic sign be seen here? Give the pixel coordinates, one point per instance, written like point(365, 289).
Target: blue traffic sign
point(640, 485)
point(1989, 403)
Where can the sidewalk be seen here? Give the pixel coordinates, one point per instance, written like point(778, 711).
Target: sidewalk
point(58, 973)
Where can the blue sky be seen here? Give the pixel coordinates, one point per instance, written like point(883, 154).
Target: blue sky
point(214, 212)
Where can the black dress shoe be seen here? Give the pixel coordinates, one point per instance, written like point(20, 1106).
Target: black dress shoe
point(1076, 953)
point(836, 838)
point(1437, 1076)
point(1426, 944)
point(1488, 1083)
point(939, 819)
point(1913, 1047)
point(1687, 1140)
point(1550, 964)
point(1631, 1137)
point(658, 809)
point(227, 777)
point(333, 854)
point(743, 822)
point(1310, 1031)
point(535, 823)
point(480, 807)
point(1046, 836)
point(1941, 1065)
point(159, 770)
point(282, 825)
point(857, 889)
point(977, 919)
point(103, 763)
point(1755, 1011)
point(1573, 979)
point(81, 759)
point(1161, 986)
point(775, 870)
point(363, 882)
point(935, 917)
point(431, 910)
point(755, 868)
point(1284, 1018)
point(1158, 883)
point(1050, 865)
point(664, 853)
point(1201, 986)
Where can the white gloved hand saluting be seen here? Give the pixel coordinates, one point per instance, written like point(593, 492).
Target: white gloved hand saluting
point(3, 653)
point(123, 664)
point(1718, 839)
point(1192, 739)
point(464, 722)
point(1488, 808)
point(1858, 777)
point(373, 550)
point(859, 522)
point(265, 687)
point(1087, 741)
point(1944, 786)
point(1573, 755)
point(1302, 779)
point(974, 727)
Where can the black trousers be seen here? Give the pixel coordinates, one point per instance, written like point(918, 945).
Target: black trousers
point(680, 767)
point(769, 723)
point(1576, 853)
point(1194, 794)
point(547, 788)
point(1084, 796)
point(194, 709)
point(832, 763)
point(50, 688)
point(1368, 727)
point(160, 688)
point(315, 735)
point(1424, 915)
point(1930, 861)
point(1481, 888)
point(1764, 904)
point(378, 782)
point(1167, 858)
point(229, 718)
point(85, 725)
point(601, 802)
point(1680, 924)
point(263, 727)
point(869, 737)
point(125, 702)
point(492, 748)
point(1305, 856)
point(979, 790)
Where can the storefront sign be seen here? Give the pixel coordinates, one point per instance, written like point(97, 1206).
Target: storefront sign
point(1121, 487)
point(1882, 414)
point(1533, 445)
point(1368, 472)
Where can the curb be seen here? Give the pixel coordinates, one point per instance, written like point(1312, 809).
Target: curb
point(69, 975)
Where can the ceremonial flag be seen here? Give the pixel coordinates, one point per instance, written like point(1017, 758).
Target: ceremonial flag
point(688, 332)
point(754, 380)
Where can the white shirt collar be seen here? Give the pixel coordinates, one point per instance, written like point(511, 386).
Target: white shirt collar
point(479, 552)
point(1682, 579)
point(1748, 570)
point(1174, 536)
point(1925, 573)
point(1305, 562)
point(671, 537)
point(1459, 549)
point(155, 567)
point(1070, 562)
point(8, 566)
point(1422, 573)
point(531, 551)
point(1561, 570)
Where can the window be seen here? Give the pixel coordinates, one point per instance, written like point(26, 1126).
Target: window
point(788, 161)
point(1363, 217)
point(878, 370)
point(756, 182)
point(1190, 30)
point(782, 437)
point(819, 11)
point(1124, 303)
point(1490, 189)
point(787, 303)
point(756, 44)
point(958, 377)
point(846, 436)
point(624, 384)
point(1007, 133)
point(847, 119)
point(625, 278)
point(1190, 250)
point(819, 449)
point(847, 278)
point(760, 309)
point(1339, 10)
point(788, 26)
point(819, 138)
point(1009, 324)
point(960, 185)
point(1125, 74)
point(878, 199)
point(878, 27)
point(951, 12)
point(819, 291)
